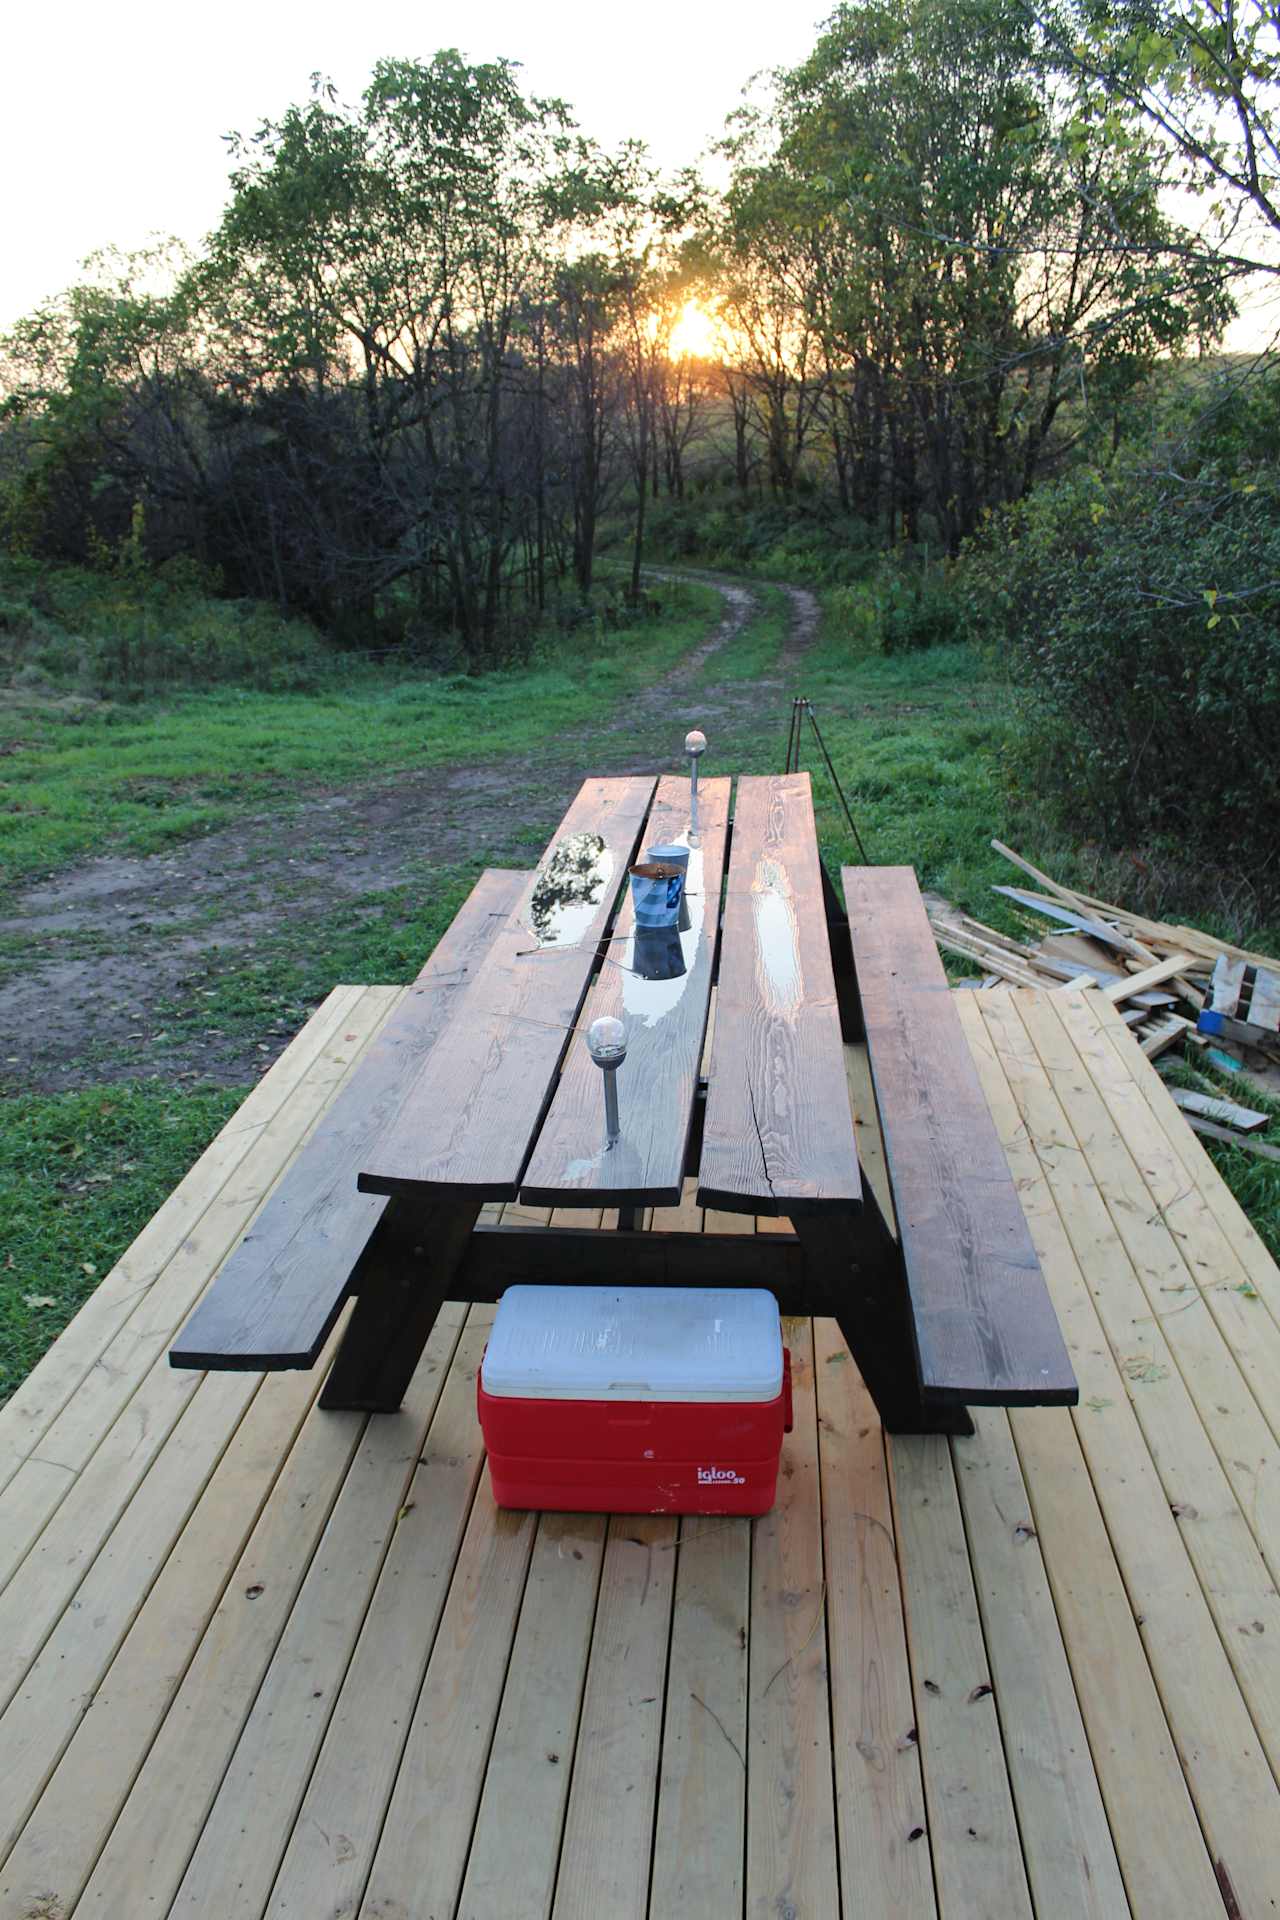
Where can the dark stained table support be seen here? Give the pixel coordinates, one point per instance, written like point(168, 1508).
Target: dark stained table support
point(855, 1273)
point(403, 1279)
point(497, 1257)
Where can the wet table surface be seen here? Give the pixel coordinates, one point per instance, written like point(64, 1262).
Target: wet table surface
point(509, 1102)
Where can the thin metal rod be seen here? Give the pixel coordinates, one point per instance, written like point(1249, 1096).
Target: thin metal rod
point(612, 1125)
point(806, 707)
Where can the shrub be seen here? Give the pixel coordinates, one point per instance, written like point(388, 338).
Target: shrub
point(1139, 615)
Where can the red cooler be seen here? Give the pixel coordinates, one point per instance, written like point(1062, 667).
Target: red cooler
point(635, 1399)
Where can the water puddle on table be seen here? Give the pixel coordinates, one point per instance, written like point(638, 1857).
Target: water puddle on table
point(570, 889)
point(777, 937)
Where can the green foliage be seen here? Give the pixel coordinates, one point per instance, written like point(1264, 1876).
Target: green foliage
point(806, 539)
point(80, 1176)
point(1138, 613)
point(77, 773)
point(129, 633)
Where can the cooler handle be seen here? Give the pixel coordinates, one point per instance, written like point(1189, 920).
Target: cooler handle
point(786, 1390)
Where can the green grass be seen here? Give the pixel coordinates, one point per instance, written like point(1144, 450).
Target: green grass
point(77, 775)
point(80, 1174)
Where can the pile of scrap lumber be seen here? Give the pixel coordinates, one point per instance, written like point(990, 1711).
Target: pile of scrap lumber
point(1172, 984)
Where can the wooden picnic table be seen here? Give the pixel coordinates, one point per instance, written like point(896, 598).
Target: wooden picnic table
point(481, 1090)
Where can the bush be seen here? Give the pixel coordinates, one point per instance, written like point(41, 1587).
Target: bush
point(1139, 615)
point(130, 635)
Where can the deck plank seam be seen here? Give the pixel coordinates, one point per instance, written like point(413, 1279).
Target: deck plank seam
point(1194, 1395)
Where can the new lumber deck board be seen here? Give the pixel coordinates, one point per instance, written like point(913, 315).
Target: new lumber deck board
point(1226, 1767)
point(126, 1382)
point(984, 1324)
point(276, 1489)
point(1066, 1842)
point(606, 1858)
point(515, 1847)
point(305, 1704)
point(265, 1308)
point(778, 1135)
point(422, 1832)
point(699, 1840)
point(973, 1831)
point(666, 1021)
point(323, 1530)
point(467, 1123)
point(791, 1815)
point(38, 1400)
point(886, 1866)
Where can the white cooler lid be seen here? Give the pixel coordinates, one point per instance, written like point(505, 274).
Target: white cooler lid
point(635, 1343)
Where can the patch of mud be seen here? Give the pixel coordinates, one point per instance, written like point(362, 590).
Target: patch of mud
point(118, 938)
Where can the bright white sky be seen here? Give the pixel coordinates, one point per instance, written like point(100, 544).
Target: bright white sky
point(111, 117)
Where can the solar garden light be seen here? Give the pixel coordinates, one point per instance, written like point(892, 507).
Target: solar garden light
point(607, 1045)
point(695, 745)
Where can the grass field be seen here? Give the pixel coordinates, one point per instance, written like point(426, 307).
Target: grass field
point(918, 740)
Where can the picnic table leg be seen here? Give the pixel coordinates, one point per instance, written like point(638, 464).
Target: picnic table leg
point(857, 1276)
point(401, 1281)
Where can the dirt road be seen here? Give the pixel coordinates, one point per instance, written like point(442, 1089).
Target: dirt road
point(114, 943)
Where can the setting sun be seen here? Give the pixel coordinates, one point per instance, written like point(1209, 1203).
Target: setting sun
point(695, 335)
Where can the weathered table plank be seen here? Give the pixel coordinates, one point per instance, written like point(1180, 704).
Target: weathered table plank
point(468, 1123)
point(280, 1291)
point(985, 1327)
point(778, 1136)
point(665, 1018)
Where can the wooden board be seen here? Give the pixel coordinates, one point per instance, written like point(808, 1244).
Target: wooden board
point(791, 1811)
point(973, 1831)
point(418, 1814)
point(36, 1403)
point(984, 1324)
point(1070, 1858)
point(1228, 978)
point(778, 1135)
point(279, 1293)
point(886, 1862)
point(128, 1398)
point(1225, 1112)
point(515, 1848)
point(1264, 1002)
point(699, 1840)
point(665, 1020)
point(275, 1647)
point(1156, 1548)
point(608, 1835)
point(469, 1119)
point(319, 1712)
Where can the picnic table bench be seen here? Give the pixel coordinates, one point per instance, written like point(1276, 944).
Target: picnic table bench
point(478, 1089)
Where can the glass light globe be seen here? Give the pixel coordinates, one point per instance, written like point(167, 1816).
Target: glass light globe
point(695, 742)
point(607, 1041)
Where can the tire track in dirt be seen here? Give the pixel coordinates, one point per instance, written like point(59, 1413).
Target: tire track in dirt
point(116, 939)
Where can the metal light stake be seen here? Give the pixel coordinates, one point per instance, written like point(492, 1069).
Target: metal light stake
point(607, 1045)
point(695, 745)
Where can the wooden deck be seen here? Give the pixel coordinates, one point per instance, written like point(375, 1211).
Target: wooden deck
point(256, 1659)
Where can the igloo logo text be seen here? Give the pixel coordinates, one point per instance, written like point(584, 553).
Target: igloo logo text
point(720, 1477)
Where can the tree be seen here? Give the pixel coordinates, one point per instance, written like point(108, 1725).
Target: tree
point(1204, 78)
